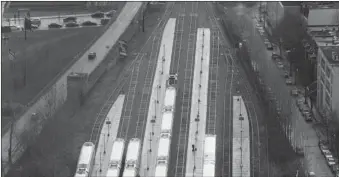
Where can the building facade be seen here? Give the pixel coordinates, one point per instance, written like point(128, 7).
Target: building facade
point(328, 79)
point(276, 10)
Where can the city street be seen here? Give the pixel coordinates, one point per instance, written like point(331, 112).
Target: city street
point(304, 135)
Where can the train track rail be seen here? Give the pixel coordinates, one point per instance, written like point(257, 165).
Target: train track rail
point(179, 30)
point(147, 88)
point(213, 87)
point(101, 116)
point(186, 96)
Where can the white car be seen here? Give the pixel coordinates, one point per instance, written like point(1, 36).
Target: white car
point(280, 64)
point(294, 91)
point(288, 81)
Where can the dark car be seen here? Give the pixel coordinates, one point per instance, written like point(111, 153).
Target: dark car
point(70, 19)
point(98, 15)
point(104, 21)
point(110, 13)
point(72, 24)
point(92, 55)
point(54, 25)
point(89, 23)
point(34, 26)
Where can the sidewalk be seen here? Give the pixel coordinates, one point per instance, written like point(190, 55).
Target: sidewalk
point(310, 136)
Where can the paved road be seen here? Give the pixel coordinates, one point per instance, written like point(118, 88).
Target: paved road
point(273, 76)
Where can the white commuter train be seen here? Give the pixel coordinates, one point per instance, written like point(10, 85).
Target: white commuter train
point(85, 161)
point(132, 158)
point(163, 155)
point(116, 158)
point(166, 127)
point(209, 156)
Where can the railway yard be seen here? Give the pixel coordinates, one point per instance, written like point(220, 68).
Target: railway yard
point(182, 107)
point(180, 102)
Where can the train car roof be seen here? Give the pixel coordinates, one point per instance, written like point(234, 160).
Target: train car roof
point(117, 150)
point(170, 95)
point(161, 171)
point(133, 149)
point(86, 153)
point(164, 145)
point(210, 143)
point(129, 172)
point(208, 170)
point(167, 120)
point(112, 172)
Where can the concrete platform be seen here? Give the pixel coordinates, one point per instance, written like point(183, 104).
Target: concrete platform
point(107, 136)
point(241, 140)
point(148, 159)
point(194, 161)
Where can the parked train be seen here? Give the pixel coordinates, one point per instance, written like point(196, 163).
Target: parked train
point(86, 159)
point(132, 158)
point(163, 155)
point(209, 156)
point(116, 158)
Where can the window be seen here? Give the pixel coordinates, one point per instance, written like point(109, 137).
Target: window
point(328, 86)
point(328, 99)
point(328, 71)
point(322, 77)
point(323, 63)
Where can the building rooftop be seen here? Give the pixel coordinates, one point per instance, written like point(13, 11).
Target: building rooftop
point(328, 52)
point(291, 3)
point(323, 17)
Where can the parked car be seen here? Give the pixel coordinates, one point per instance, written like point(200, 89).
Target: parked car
point(72, 24)
point(330, 161)
point(269, 46)
point(89, 23)
point(34, 26)
point(54, 25)
point(294, 91)
point(92, 55)
point(104, 21)
point(323, 146)
point(299, 102)
point(288, 81)
point(308, 117)
point(110, 13)
point(275, 56)
point(286, 74)
point(280, 64)
point(335, 168)
point(70, 19)
point(98, 15)
point(36, 21)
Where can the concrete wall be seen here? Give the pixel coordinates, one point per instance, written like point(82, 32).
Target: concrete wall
point(47, 105)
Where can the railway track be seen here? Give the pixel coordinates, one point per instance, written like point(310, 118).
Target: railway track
point(185, 99)
point(213, 87)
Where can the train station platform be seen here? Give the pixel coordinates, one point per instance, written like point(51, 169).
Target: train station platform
point(241, 140)
point(107, 135)
point(148, 159)
point(194, 160)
